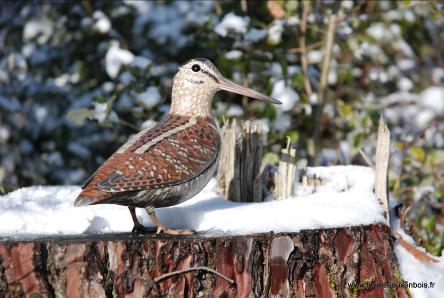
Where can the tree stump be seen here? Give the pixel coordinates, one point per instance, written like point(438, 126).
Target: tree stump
point(312, 263)
point(239, 173)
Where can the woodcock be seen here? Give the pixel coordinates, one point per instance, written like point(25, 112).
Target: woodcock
point(171, 162)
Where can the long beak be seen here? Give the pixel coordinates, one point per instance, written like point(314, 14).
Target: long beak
point(228, 85)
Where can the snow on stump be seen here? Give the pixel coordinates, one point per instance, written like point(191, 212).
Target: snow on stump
point(316, 263)
point(325, 239)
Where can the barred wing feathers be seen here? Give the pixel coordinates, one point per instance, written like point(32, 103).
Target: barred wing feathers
point(174, 151)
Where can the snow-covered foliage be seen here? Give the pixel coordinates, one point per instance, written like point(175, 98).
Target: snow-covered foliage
point(77, 78)
point(232, 23)
point(345, 199)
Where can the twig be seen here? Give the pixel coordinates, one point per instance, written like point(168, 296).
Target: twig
point(288, 142)
point(309, 47)
point(303, 48)
point(244, 6)
point(218, 7)
point(129, 124)
point(402, 216)
point(366, 159)
point(418, 254)
point(323, 81)
point(166, 275)
point(327, 57)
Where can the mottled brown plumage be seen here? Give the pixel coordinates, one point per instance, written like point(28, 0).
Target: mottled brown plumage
point(167, 161)
point(172, 161)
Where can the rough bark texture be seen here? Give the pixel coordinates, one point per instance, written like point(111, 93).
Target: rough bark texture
point(239, 173)
point(316, 263)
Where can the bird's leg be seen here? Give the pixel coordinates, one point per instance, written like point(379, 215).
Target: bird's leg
point(138, 227)
point(161, 228)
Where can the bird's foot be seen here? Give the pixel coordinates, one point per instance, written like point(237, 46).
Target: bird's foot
point(141, 229)
point(161, 229)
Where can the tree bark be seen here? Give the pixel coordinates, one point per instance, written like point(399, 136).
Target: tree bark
point(312, 263)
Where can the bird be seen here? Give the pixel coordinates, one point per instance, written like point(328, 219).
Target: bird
point(172, 161)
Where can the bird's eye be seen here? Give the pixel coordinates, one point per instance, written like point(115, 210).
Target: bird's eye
point(195, 67)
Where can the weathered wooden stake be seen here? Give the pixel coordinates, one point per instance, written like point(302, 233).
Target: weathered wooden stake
point(381, 168)
point(239, 173)
point(286, 174)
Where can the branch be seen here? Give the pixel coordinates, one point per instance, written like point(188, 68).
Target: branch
point(218, 7)
point(244, 5)
point(166, 275)
point(418, 254)
point(327, 57)
point(129, 124)
point(303, 48)
point(307, 48)
point(367, 159)
point(323, 81)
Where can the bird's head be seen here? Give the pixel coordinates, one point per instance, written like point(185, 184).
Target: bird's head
point(198, 79)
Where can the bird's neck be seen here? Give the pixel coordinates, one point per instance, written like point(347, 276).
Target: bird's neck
point(191, 100)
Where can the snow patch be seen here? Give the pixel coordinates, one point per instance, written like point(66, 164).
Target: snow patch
point(102, 24)
point(405, 84)
point(344, 199)
point(233, 55)
point(39, 30)
point(232, 23)
point(284, 94)
point(433, 98)
point(141, 62)
point(235, 111)
point(275, 32)
point(255, 35)
point(115, 58)
point(422, 108)
point(149, 98)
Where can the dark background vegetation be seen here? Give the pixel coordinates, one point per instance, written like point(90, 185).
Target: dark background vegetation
point(76, 79)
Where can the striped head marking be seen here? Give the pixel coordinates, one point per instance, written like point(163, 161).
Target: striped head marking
point(200, 72)
point(195, 84)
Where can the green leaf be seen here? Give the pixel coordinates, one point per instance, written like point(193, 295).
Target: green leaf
point(80, 114)
point(298, 81)
point(418, 153)
point(271, 158)
point(99, 99)
point(346, 110)
point(270, 111)
point(294, 136)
